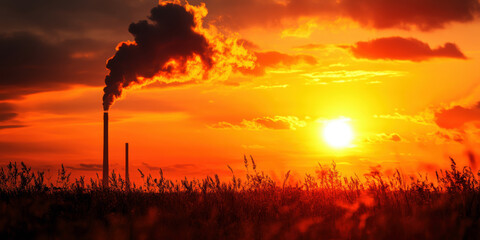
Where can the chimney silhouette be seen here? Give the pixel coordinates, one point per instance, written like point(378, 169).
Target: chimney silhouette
point(105, 149)
point(127, 179)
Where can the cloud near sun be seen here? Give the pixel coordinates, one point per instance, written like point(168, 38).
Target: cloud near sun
point(398, 48)
point(275, 123)
point(458, 116)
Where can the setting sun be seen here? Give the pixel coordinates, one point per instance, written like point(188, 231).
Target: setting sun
point(338, 133)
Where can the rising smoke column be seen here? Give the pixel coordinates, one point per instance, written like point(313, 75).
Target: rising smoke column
point(172, 44)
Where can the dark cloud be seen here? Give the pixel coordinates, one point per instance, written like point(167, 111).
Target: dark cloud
point(398, 48)
point(424, 15)
point(11, 126)
point(77, 17)
point(43, 45)
point(457, 116)
point(7, 116)
point(7, 112)
point(274, 59)
point(29, 147)
point(30, 64)
point(13, 92)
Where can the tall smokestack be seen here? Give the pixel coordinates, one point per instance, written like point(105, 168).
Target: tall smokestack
point(105, 149)
point(127, 179)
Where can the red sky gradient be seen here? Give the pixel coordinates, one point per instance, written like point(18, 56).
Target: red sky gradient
point(253, 77)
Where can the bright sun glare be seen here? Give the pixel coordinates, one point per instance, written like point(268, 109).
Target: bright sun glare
point(338, 133)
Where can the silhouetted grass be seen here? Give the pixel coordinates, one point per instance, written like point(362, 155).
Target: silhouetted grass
point(325, 205)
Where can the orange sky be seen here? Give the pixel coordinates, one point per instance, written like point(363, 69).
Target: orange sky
point(408, 82)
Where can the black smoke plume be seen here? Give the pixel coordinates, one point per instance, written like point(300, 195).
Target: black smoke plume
point(169, 35)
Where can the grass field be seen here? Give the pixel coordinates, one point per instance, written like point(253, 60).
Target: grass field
point(322, 206)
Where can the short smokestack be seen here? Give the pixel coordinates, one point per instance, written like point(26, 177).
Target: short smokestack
point(105, 149)
point(127, 178)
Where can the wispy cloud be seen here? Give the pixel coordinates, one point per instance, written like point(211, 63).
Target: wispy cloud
point(398, 48)
point(271, 86)
point(11, 126)
point(457, 116)
point(304, 30)
point(311, 46)
point(345, 76)
point(424, 118)
point(255, 146)
point(276, 60)
point(277, 123)
point(7, 111)
point(385, 137)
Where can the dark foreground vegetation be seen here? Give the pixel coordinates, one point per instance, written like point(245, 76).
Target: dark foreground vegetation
point(321, 206)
